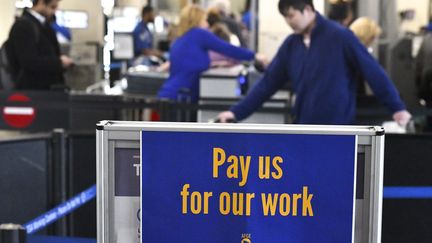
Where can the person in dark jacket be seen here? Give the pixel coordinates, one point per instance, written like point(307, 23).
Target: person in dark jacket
point(320, 60)
point(423, 66)
point(341, 11)
point(34, 50)
point(234, 27)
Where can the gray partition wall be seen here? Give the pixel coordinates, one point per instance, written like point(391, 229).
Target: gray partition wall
point(118, 188)
point(25, 171)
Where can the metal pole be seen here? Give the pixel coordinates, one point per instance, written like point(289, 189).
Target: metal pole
point(12, 233)
point(164, 109)
point(253, 32)
point(59, 176)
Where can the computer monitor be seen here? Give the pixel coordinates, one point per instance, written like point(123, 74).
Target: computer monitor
point(123, 24)
point(72, 19)
point(123, 46)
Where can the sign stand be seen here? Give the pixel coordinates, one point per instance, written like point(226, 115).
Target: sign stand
point(360, 148)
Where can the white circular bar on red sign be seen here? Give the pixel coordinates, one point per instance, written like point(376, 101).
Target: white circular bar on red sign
point(18, 116)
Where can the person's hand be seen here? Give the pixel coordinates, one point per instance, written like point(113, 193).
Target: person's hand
point(226, 116)
point(402, 117)
point(153, 52)
point(66, 61)
point(164, 67)
point(221, 63)
point(262, 59)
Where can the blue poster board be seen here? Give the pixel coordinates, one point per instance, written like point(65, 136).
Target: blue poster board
point(243, 187)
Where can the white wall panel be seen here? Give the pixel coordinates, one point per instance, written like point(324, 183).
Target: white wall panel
point(94, 32)
point(7, 11)
point(272, 27)
point(421, 17)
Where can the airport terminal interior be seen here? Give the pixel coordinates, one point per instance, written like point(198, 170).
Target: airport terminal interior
point(61, 179)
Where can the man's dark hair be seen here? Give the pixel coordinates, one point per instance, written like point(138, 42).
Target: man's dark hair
point(247, 6)
point(213, 17)
point(147, 9)
point(44, 1)
point(339, 11)
point(284, 5)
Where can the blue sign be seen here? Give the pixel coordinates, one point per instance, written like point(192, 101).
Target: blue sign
point(238, 187)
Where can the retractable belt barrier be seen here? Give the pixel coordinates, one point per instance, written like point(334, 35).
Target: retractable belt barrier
point(82, 198)
point(408, 192)
point(60, 211)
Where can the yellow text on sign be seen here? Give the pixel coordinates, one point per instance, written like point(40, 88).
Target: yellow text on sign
point(238, 168)
point(286, 204)
point(197, 202)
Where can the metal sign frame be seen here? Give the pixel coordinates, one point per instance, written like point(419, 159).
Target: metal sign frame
point(123, 134)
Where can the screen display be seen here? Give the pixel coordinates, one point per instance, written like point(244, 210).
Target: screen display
point(123, 46)
point(72, 19)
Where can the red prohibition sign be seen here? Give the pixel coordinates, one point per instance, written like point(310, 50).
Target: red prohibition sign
point(18, 116)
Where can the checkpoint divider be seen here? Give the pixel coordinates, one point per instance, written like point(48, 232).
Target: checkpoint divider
point(238, 182)
point(60, 211)
point(15, 233)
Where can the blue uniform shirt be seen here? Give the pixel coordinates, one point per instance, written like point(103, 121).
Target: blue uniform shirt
point(65, 32)
point(322, 77)
point(189, 57)
point(246, 19)
point(143, 38)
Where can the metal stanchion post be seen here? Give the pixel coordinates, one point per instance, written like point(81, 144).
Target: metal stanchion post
point(164, 109)
point(183, 100)
point(59, 176)
point(12, 233)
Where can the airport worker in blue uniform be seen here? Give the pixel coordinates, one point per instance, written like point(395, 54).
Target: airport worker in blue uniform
point(64, 35)
point(143, 37)
point(320, 60)
point(189, 54)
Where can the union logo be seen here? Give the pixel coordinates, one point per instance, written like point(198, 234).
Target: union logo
point(246, 238)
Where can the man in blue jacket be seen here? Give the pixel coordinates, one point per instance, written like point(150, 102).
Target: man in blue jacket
point(320, 60)
point(143, 37)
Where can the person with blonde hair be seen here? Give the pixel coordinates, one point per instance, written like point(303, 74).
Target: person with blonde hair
point(366, 29)
point(191, 16)
point(189, 55)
